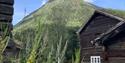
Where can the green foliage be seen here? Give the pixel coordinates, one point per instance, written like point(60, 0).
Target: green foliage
point(4, 39)
point(120, 13)
point(76, 59)
point(40, 51)
point(60, 18)
point(46, 32)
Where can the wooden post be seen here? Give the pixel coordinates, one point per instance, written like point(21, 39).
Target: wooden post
point(105, 54)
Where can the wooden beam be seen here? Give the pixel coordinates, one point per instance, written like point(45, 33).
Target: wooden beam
point(116, 53)
point(110, 33)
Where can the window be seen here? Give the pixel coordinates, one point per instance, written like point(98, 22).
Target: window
point(95, 59)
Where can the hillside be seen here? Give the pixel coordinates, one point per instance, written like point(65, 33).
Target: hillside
point(56, 22)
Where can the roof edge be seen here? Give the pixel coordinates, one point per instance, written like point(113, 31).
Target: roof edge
point(101, 12)
point(84, 24)
point(110, 15)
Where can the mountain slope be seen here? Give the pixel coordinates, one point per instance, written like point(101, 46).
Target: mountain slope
point(61, 9)
point(60, 13)
point(57, 20)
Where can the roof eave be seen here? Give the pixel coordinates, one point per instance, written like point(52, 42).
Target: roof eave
point(101, 12)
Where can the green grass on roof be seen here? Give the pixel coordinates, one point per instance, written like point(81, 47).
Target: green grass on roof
point(59, 18)
point(120, 13)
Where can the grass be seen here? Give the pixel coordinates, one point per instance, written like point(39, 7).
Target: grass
point(120, 13)
point(3, 43)
point(4, 39)
point(40, 51)
point(40, 47)
point(58, 19)
point(49, 34)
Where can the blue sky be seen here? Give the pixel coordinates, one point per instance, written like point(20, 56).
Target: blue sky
point(31, 5)
point(115, 4)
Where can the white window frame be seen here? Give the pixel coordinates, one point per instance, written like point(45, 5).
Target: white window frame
point(95, 59)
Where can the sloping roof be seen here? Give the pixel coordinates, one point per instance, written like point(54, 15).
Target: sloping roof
point(101, 12)
point(110, 32)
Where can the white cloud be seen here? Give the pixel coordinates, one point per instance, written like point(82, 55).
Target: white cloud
point(89, 0)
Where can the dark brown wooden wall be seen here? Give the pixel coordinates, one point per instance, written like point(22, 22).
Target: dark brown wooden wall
point(118, 48)
point(96, 26)
point(118, 41)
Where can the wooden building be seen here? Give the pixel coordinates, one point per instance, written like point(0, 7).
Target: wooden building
point(102, 39)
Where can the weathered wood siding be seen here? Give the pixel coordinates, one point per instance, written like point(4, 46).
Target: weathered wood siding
point(97, 25)
point(117, 50)
point(95, 52)
point(116, 60)
point(118, 41)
